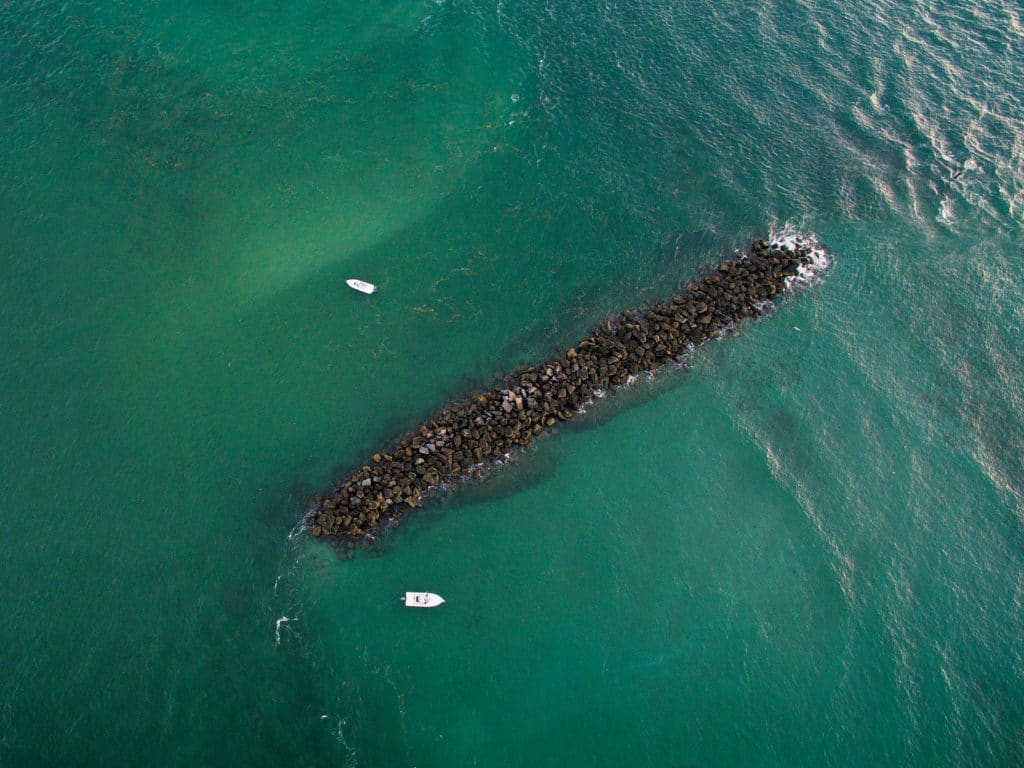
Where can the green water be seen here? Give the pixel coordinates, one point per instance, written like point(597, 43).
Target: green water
point(804, 550)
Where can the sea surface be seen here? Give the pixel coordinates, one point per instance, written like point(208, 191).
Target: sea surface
point(805, 548)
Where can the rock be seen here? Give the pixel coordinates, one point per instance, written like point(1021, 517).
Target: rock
point(465, 434)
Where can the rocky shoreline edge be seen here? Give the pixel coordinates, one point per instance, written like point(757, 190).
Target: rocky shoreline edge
point(468, 434)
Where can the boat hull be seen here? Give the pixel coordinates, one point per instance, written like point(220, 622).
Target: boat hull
point(361, 285)
point(422, 600)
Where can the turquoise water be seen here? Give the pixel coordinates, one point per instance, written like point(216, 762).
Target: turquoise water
point(805, 550)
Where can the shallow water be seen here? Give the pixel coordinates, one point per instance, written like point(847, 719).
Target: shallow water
point(805, 550)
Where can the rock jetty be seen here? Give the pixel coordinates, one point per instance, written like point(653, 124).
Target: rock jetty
point(468, 434)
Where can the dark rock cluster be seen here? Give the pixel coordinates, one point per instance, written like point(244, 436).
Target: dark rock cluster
point(470, 433)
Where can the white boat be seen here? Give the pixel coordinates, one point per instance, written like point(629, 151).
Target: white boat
point(361, 285)
point(422, 600)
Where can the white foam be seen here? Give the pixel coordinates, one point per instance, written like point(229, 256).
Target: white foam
point(476, 471)
point(946, 214)
point(817, 258)
point(277, 629)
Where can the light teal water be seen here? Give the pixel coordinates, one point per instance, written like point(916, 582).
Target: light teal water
point(806, 550)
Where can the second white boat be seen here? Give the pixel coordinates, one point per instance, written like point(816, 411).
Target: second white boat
point(361, 285)
point(422, 600)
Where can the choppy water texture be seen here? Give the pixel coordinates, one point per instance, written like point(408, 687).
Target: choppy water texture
point(806, 550)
